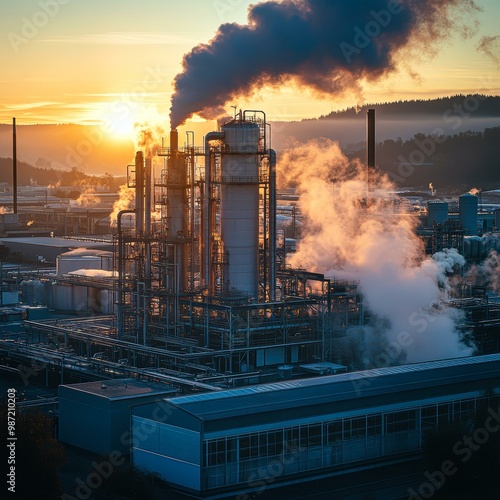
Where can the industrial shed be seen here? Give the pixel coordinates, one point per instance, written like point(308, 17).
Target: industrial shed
point(225, 442)
point(32, 248)
point(95, 416)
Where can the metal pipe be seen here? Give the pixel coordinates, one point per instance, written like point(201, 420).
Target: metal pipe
point(147, 227)
point(120, 270)
point(139, 192)
point(206, 271)
point(14, 165)
point(147, 196)
point(192, 203)
point(255, 111)
point(272, 225)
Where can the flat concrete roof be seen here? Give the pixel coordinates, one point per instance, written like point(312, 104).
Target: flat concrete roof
point(117, 389)
point(55, 242)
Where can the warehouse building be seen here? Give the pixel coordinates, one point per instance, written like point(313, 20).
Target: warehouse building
point(95, 416)
point(232, 441)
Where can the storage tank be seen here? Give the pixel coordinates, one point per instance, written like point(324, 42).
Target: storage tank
point(107, 302)
point(497, 218)
point(62, 297)
point(93, 300)
point(106, 261)
point(28, 291)
point(39, 293)
point(68, 263)
point(437, 212)
point(81, 299)
point(473, 247)
point(239, 206)
point(467, 209)
point(49, 294)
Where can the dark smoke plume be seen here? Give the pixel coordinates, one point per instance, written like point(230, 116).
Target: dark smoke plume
point(327, 46)
point(490, 45)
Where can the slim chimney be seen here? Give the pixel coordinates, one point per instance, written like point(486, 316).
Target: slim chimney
point(174, 141)
point(370, 145)
point(14, 165)
point(139, 192)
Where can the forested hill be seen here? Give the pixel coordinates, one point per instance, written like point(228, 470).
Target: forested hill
point(477, 104)
point(35, 176)
point(468, 158)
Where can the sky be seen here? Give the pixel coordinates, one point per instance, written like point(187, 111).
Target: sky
point(86, 61)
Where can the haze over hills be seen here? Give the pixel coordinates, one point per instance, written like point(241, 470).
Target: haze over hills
point(68, 146)
point(448, 115)
point(92, 151)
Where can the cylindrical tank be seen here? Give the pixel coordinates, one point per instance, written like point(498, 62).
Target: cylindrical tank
point(107, 302)
point(62, 297)
point(497, 218)
point(81, 302)
point(93, 300)
point(240, 206)
point(106, 261)
point(30, 292)
point(473, 247)
point(39, 293)
point(48, 293)
point(437, 212)
point(68, 263)
point(467, 209)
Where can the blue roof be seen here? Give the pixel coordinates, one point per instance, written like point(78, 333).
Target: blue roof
point(406, 381)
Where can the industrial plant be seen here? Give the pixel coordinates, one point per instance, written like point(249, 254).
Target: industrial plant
point(190, 305)
point(195, 282)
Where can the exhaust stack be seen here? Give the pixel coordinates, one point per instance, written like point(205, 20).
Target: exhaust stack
point(174, 141)
point(14, 166)
point(139, 192)
point(370, 145)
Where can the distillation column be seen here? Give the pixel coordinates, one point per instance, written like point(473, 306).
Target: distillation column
point(239, 206)
point(177, 210)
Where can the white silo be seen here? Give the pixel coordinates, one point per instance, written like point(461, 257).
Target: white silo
point(467, 209)
point(437, 212)
point(70, 262)
point(239, 206)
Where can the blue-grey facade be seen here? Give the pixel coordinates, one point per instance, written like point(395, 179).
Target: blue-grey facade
point(236, 440)
point(95, 416)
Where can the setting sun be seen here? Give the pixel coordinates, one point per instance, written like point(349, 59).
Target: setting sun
point(118, 121)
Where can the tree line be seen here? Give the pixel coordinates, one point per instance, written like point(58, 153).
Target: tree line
point(469, 158)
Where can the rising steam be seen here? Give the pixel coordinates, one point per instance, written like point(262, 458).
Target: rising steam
point(148, 137)
point(125, 201)
point(86, 199)
point(328, 46)
point(347, 238)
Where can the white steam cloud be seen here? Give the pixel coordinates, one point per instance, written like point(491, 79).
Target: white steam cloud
point(349, 238)
point(125, 201)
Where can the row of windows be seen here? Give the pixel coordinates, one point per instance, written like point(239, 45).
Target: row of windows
point(283, 441)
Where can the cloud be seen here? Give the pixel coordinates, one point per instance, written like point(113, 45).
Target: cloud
point(490, 45)
point(120, 38)
point(330, 47)
point(31, 105)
